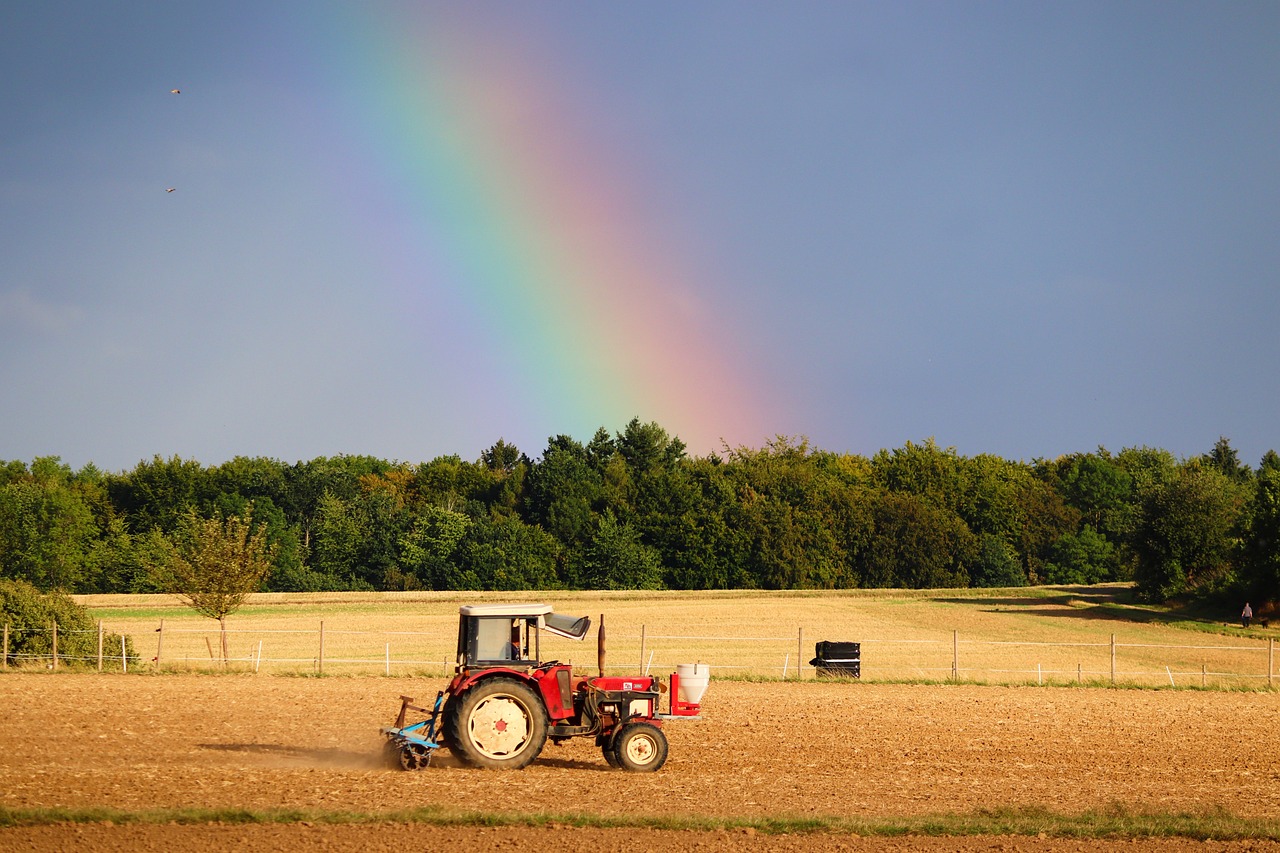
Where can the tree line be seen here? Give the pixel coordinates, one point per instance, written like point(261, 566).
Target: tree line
point(632, 510)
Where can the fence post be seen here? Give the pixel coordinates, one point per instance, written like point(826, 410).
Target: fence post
point(124, 656)
point(799, 653)
point(1113, 658)
point(642, 668)
point(4, 659)
point(1271, 654)
point(159, 644)
point(55, 645)
point(955, 655)
point(99, 645)
point(321, 670)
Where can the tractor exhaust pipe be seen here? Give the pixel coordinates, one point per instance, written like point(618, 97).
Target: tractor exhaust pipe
point(600, 646)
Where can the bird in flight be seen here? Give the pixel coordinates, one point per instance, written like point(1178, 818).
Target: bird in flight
point(175, 91)
point(170, 189)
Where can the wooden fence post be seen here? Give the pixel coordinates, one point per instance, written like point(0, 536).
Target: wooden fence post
point(1113, 658)
point(321, 659)
point(4, 659)
point(99, 645)
point(159, 644)
point(55, 645)
point(642, 669)
point(799, 653)
point(955, 655)
point(1271, 655)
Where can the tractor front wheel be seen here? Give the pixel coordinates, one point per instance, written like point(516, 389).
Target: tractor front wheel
point(640, 748)
point(499, 723)
point(610, 754)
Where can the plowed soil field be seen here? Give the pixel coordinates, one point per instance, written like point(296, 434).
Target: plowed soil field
point(783, 750)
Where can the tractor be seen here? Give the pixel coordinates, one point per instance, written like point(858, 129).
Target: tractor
point(504, 701)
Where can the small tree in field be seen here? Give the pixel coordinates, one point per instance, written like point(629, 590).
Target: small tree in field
point(213, 564)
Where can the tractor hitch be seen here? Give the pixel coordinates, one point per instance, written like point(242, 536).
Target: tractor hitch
point(411, 746)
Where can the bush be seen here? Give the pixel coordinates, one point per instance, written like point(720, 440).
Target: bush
point(30, 615)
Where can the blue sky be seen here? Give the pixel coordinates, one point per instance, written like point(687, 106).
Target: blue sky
point(1023, 229)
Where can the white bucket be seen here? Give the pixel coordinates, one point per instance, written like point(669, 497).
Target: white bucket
point(693, 681)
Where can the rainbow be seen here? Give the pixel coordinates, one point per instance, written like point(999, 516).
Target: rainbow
point(512, 210)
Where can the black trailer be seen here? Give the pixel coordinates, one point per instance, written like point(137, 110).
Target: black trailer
point(834, 658)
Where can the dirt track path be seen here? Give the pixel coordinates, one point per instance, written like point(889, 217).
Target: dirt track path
point(779, 750)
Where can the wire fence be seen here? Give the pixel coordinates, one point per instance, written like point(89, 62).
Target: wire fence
point(325, 650)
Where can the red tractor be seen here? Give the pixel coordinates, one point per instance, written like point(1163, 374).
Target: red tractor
point(505, 701)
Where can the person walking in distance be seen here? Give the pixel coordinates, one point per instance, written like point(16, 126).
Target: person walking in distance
point(1246, 615)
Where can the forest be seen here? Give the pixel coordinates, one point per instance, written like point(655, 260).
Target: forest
point(633, 510)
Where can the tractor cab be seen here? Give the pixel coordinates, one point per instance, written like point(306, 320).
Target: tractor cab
point(509, 635)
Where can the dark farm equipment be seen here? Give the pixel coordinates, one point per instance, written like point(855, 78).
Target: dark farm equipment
point(839, 659)
point(504, 702)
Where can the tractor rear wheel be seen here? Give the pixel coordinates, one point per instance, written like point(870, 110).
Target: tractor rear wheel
point(640, 748)
point(499, 723)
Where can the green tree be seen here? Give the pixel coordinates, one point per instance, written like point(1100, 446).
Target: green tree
point(917, 545)
point(120, 561)
point(47, 529)
point(644, 446)
point(1224, 458)
point(335, 544)
point(1081, 558)
point(213, 564)
point(1099, 488)
point(507, 554)
point(1261, 564)
point(307, 484)
point(683, 514)
point(502, 457)
point(428, 550)
point(1046, 518)
point(924, 470)
point(1188, 532)
point(563, 493)
point(617, 559)
point(252, 479)
point(990, 492)
point(160, 492)
point(996, 564)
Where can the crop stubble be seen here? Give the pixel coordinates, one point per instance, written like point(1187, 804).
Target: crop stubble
point(906, 634)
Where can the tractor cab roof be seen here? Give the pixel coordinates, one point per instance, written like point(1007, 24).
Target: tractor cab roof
point(515, 611)
point(573, 627)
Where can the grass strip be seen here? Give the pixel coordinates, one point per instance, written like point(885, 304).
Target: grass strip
point(1114, 822)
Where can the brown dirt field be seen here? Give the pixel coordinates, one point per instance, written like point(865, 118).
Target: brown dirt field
point(762, 750)
point(403, 837)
